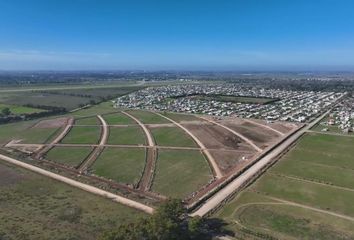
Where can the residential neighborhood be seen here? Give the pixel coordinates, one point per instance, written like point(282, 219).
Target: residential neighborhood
point(341, 118)
point(295, 106)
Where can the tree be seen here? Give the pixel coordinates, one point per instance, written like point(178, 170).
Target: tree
point(169, 222)
point(6, 111)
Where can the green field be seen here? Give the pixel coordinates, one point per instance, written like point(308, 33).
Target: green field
point(87, 121)
point(118, 119)
point(317, 173)
point(126, 136)
point(36, 207)
point(18, 110)
point(83, 135)
point(260, 215)
point(172, 136)
point(71, 156)
point(69, 98)
point(124, 165)
point(179, 117)
point(180, 172)
point(148, 117)
point(26, 132)
point(102, 108)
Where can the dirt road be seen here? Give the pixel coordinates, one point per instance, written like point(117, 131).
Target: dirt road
point(85, 187)
point(264, 126)
point(238, 182)
point(97, 151)
point(235, 133)
point(312, 208)
point(211, 160)
point(66, 130)
point(151, 155)
point(148, 135)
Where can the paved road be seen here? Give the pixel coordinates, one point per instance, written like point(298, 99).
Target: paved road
point(96, 152)
point(85, 187)
point(229, 189)
point(247, 140)
point(211, 160)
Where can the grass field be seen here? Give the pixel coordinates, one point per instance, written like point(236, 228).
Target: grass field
point(87, 121)
point(147, 117)
point(317, 173)
point(118, 119)
point(24, 131)
point(126, 136)
point(172, 136)
point(18, 110)
point(83, 135)
point(102, 108)
point(36, 207)
point(71, 156)
point(180, 172)
point(37, 135)
point(68, 98)
point(123, 165)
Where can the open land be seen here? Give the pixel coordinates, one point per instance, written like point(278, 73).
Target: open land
point(71, 156)
point(186, 171)
point(56, 210)
point(82, 135)
point(120, 164)
point(144, 156)
point(307, 195)
point(18, 110)
point(126, 136)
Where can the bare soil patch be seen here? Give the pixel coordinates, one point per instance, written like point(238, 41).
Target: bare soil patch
point(283, 127)
point(52, 123)
point(216, 137)
point(160, 125)
point(228, 160)
point(260, 136)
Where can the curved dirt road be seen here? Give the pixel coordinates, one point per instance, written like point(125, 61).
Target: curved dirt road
point(235, 133)
point(151, 155)
point(96, 152)
point(57, 139)
point(85, 187)
point(211, 160)
point(148, 135)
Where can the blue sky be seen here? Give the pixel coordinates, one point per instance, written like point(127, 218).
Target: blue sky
point(175, 35)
